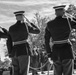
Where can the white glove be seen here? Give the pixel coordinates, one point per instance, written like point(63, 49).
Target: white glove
point(49, 59)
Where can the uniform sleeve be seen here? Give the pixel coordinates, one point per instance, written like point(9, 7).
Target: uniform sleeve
point(9, 44)
point(47, 41)
point(33, 29)
point(5, 31)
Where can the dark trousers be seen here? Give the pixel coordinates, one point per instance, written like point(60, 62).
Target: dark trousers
point(64, 67)
point(21, 65)
point(1, 72)
point(35, 63)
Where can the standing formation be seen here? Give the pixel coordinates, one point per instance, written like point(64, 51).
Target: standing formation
point(57, 30)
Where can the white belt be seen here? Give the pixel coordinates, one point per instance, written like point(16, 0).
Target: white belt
point(62, 41)
point(19, 42)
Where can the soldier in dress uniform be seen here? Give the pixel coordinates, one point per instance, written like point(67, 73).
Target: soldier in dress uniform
point(61, 52)
point(19, 33)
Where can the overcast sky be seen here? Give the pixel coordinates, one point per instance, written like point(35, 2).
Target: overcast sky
point(7, 7)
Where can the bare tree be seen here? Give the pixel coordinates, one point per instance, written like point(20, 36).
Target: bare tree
point(41, 23)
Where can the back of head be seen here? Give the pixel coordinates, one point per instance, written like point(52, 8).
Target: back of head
point(59, 10)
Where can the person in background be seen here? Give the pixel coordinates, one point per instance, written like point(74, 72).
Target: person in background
point(35, 61)
point(61, 52)
point(20, 50)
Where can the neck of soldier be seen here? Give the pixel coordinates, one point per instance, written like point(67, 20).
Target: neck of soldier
point(21, 21)
point(59, 15)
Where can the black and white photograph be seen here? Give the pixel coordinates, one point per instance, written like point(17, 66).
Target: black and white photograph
point(37, 37)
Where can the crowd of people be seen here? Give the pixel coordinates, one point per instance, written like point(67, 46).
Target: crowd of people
point(60, 54)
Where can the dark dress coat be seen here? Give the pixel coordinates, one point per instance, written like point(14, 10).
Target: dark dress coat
point(18, 32)
point(59, 30)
